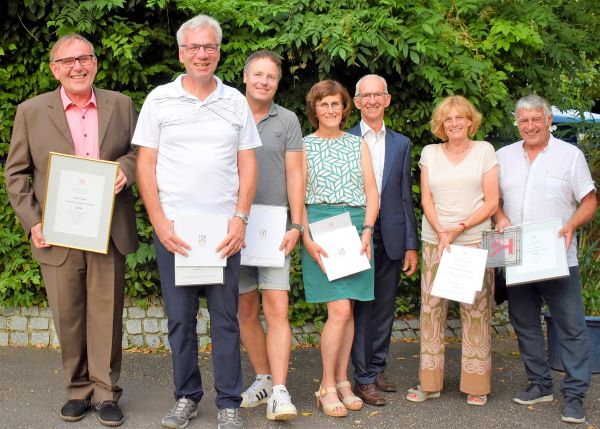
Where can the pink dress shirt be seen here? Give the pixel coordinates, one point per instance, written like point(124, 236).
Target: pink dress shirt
point(83, 123)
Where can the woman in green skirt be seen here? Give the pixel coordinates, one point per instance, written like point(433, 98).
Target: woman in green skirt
point(339, 178)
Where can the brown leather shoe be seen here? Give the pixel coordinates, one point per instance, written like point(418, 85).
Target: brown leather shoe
point(369, 394)
point(384, 384)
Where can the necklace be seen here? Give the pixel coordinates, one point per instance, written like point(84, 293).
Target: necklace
point(459, 151)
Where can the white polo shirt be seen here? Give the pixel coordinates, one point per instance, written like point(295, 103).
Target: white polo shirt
point(197, 144)
point(545, 189)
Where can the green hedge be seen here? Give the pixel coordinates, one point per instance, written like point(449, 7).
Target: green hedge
point(492, 51)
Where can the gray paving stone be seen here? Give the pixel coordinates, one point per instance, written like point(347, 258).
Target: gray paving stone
point(203, 342)
point(151, 326)
point(156, 312)
point(45, 312)
point(17, 323)
point(124, 343)
point(297, 330)
point(3, 339)
point(9, 311)
point(449, 333)
point(411, 335)
point(136, 340)
point(204, 312)
point(397, 335)
point(308, 328)
point(39, 323)
point(201, 327)
point(19, 339)
point(133, 326)
point(413, 323)
point(2, 322)
point(454, 323)
point(31, 311)
point(164, 326)
point(40, 338)
point(136, 313)
point(399, 325)
point(124, 315)
point(165, 340)
point(153, 341)
point(54, 340)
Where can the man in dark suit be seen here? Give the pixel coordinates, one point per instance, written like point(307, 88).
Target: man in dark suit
point(85, 289)
point(394, 238)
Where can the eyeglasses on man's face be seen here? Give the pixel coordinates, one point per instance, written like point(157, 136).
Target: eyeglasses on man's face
point(324, 107)
point(69, 62)
point(209, 48)
point(379, 96)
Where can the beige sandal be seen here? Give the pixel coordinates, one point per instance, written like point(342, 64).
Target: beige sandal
point(351, 402)
point(477, 399)
point(330, 409)
point(417, 395)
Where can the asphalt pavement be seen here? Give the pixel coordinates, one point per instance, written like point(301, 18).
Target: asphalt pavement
point(31, 394)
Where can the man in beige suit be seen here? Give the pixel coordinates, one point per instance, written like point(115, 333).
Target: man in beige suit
point(85, 289)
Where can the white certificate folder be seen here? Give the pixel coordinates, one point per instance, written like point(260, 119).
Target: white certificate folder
point(264, 234)
point(340, 240)
point(544, 254)
point(203, 265)
point(460, 274)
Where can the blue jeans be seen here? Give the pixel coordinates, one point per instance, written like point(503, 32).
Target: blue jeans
point(563, 297)
point(182, 304)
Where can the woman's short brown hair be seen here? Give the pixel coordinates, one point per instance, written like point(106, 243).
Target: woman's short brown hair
point(323, 89)
point(461, 104)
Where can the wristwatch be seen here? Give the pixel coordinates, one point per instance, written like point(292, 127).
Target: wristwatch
point(243, 216)
point(369, 227)
point(298, 227)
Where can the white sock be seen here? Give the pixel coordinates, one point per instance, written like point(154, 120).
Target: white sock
point(263, 376)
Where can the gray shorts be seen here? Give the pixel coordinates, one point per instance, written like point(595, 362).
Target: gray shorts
point(272, 278)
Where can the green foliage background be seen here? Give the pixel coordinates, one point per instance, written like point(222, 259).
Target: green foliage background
point(491, 51)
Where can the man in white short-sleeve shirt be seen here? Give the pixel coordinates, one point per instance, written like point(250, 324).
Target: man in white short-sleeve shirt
point(542, 177)
point(196, 139)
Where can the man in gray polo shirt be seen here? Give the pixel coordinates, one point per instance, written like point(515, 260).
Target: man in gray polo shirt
point(280, 181)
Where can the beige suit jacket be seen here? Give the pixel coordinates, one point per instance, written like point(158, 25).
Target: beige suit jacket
point(40, 127)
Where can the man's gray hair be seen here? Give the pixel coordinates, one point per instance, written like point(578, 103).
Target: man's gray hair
point(197, 22)
point(533, 102)
point(385, 88)
point(67, 39)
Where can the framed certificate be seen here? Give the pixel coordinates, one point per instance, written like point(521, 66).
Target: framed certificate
point(544, 254)
point(503, 249)
point(79, 202)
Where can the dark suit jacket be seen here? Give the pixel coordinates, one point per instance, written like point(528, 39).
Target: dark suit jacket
point(40, 127)
point(396, 211)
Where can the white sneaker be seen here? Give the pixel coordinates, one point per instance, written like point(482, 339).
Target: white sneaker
point(258, 393)
point(280, 407)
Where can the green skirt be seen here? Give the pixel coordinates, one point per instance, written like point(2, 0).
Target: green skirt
point(317, 288)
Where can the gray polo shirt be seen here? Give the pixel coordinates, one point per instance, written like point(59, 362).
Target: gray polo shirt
point(279, 132)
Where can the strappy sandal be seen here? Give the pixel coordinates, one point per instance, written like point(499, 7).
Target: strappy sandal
point(351, 402)
point(477, 399)
point(330, 409)
point(417, 395)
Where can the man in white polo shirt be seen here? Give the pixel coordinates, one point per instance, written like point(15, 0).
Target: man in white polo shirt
point(196, 139)
point(542, 177)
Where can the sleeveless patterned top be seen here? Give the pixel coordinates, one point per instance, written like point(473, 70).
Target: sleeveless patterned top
point(334, 172)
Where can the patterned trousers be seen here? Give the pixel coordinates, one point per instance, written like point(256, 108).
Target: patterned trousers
point(476, 365)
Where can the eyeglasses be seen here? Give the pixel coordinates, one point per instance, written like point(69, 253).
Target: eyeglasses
point(69, 62)
point(536, 120)
point(209, 48)
point(336, 105)
point(376, 95)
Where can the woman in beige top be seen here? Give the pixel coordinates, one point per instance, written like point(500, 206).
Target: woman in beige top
point(459, 188)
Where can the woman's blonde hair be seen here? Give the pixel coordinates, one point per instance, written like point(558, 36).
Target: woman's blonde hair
point(462, 105)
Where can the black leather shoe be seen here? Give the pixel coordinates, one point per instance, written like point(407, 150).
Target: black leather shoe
point(384, 384)
point(110, 414)
point(74, 410)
